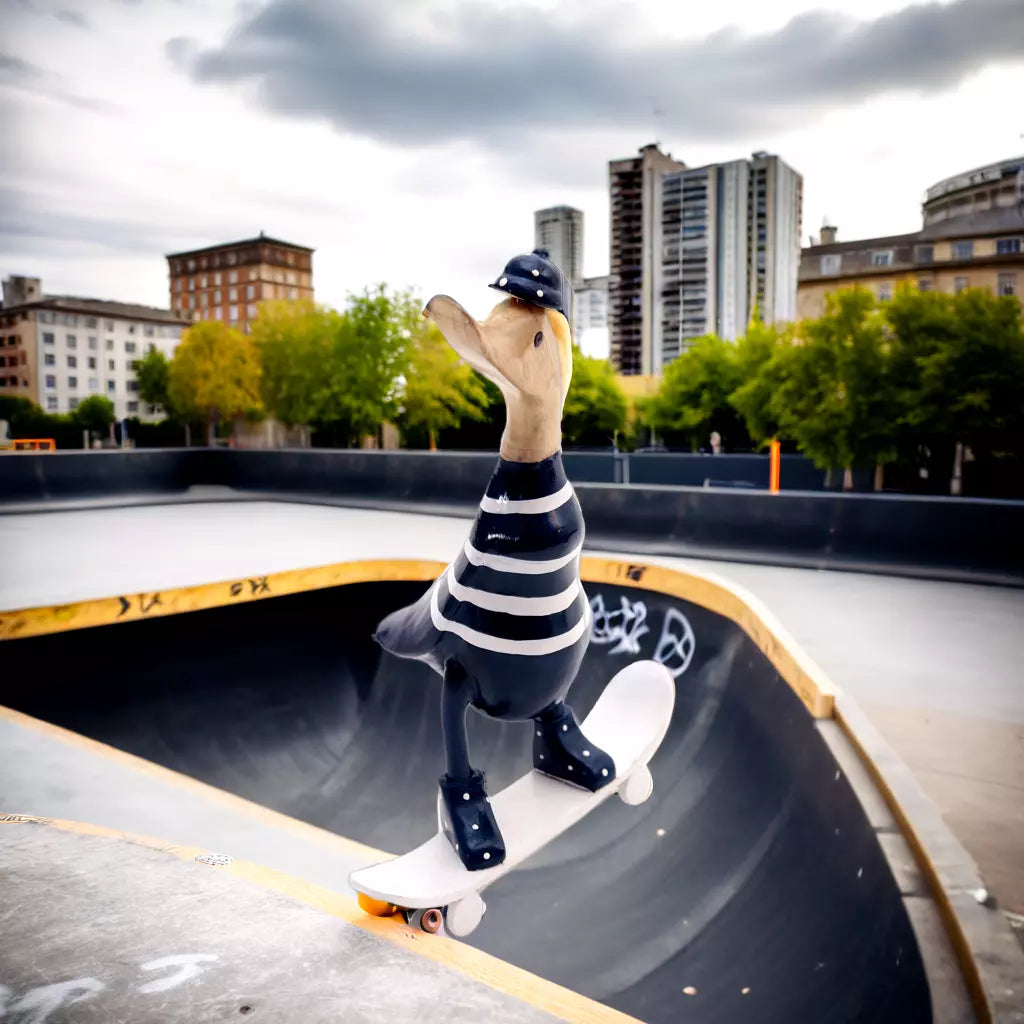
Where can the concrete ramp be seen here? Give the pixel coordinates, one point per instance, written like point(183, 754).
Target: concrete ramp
point(763, 882)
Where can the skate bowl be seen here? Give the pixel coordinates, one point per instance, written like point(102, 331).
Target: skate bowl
point(785, 868)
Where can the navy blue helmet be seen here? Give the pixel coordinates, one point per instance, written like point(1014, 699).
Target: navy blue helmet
point(534, 278)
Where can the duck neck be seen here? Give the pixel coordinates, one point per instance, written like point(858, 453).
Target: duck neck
point(531, 434)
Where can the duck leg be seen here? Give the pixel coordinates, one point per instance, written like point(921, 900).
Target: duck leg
point(561, 750)
point(464, 811)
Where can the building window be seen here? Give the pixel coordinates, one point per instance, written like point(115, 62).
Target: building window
point(216, 279)
point(924, 253)
point(232, 295)
point(884, 292)
point(131, 328)
point(202, 280)
point(204, 300)
point(72, 403)
point(133, 364)
point(293, 293)
point(963, 250)
point(250, 291)
point(111, 387)
point(133, 406)
point(72, 341)
point(94, 384)
point(191, 302)
point(49, 359)
point(46, 317)
point(150, 348)
point(250, 311)
point(959, 284)
point(149, 332)
point(217, 297)
point(73, 383)
point(94, 343)
point(92, 362)
point(191, 265)
point(51, 403)
point(1007, 284)
point(831, 264)
point(129, 346)
point(91, 322)
point(51, 380)
point(111, 365)
point(47, 337)
point(925, 284)
point(232, 313)
point(110, 344)
point(73, 362)
point(1008, 246)
point(233, 276)
point(108, 325)
point(882, 258)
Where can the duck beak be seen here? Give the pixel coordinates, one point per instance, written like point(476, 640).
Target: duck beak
point(465, 335)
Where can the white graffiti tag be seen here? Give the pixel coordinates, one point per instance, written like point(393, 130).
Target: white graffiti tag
point(676, 644)
point(36, 1006)
point(188, 968)
point(622, 627)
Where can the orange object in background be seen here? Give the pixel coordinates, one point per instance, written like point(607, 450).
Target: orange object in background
point(33, 444)
point(774, 466)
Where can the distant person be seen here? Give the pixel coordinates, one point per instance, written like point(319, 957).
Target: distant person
point(716, 443)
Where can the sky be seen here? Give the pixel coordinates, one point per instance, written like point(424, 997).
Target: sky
point(410, 141)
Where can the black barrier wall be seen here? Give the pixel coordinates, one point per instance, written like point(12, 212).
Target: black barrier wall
point(964, 538)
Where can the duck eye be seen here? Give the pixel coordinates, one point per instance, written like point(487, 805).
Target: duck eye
point(537, 339)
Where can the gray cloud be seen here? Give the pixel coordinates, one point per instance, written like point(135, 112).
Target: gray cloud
point(16, 73)
point(496, 75)
point(72, 17)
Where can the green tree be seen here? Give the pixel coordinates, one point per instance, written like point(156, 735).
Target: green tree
point(962, 372)
point(760, 357)
point(694, 397)
point(440, 390)
point(837, 398)
point(294, 343)
point(214, 375)
point(595, 409)
point(154, 374)
point(95, 414)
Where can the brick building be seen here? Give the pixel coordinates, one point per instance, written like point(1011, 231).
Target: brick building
point(227, 282)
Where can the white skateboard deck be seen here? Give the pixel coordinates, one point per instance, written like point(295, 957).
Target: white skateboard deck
point(628, 722)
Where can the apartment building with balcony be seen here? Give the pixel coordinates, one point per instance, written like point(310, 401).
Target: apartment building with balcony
point(227, 282)
point(57, 350)
point(728, 242)
point(972, 236)
point(633, 185)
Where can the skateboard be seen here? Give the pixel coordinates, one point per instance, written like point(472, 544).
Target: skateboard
point(429, 885)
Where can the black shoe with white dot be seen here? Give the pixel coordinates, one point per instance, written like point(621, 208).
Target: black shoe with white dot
point(468, 822)
point(561, 750)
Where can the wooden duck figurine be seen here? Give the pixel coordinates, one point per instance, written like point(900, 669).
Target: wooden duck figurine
point(507, 623)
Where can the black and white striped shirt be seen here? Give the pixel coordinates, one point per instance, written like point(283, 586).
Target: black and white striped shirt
point(515, 587)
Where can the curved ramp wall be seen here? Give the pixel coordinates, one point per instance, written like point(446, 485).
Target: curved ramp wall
point(757, 884)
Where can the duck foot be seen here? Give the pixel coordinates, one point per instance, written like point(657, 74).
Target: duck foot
point(468, 822)
point(561, 750)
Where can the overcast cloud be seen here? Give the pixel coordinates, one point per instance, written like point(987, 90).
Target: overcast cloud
point(497, 73)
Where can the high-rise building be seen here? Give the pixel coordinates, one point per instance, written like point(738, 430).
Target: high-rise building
point(728, 242)
point(559, 229)
point(227, 282)
point(57, 350)
point(590, 305)
point(631, 286)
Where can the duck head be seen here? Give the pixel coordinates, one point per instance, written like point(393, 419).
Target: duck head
point(526, 351)
point(524, 347)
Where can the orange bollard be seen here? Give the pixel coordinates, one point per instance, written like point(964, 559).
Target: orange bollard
point(774, 466)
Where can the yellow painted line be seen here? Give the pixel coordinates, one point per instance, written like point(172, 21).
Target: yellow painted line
point(496, 974)
point(105, 611)
point(236, 804)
